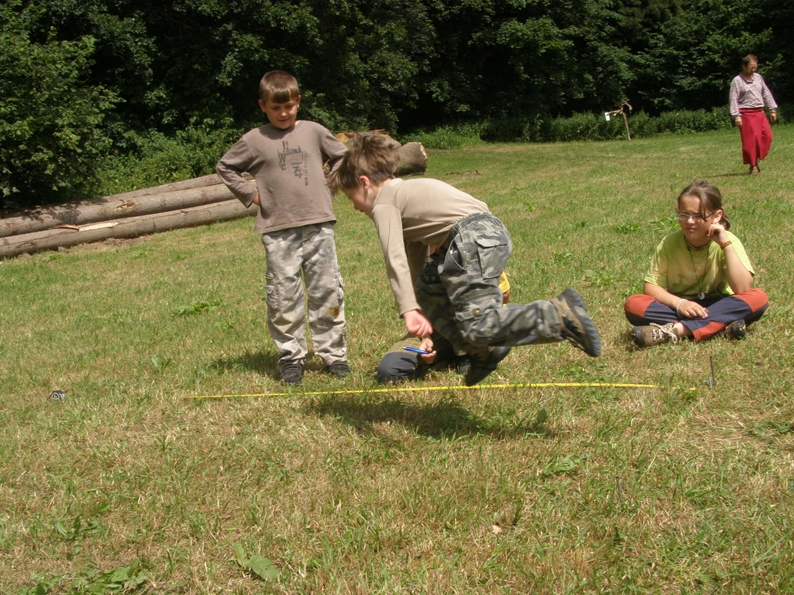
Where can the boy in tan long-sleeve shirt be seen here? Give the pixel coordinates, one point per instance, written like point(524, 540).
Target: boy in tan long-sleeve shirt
point(457, 292)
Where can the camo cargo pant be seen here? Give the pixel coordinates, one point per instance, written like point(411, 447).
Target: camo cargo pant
point(459, 291)
point(298, 256)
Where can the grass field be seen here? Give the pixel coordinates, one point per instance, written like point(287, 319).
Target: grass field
point(128, 485)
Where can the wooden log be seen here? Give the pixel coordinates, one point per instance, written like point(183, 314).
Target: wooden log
point(412, 156)
point(413, 159)
point(123, 228)
point(345, 137)
point(114, 207)
point(208, 180)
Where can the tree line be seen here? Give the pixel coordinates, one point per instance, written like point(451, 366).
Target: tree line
point(80, 78)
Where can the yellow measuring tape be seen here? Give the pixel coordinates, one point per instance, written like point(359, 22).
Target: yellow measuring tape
point(410, 389)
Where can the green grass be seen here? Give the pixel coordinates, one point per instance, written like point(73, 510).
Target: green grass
point(127, 486)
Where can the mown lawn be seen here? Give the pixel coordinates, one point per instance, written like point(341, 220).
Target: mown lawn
point(129, 485)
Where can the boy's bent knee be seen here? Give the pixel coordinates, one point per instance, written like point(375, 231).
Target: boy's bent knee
point(396, 367)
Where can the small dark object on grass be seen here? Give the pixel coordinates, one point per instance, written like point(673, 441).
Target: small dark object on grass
point(57, 395)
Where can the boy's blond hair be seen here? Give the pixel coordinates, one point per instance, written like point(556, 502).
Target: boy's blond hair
point(370, 156)
point(279, 86)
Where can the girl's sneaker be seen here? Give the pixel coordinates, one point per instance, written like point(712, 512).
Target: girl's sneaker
point(654, 334)
point(735, 331)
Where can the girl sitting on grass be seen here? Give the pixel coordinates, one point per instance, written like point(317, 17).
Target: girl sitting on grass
point(700, 282)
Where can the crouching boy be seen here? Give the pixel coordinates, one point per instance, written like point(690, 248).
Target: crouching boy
point(457, 291)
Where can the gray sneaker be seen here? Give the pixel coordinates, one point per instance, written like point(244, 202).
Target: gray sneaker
point(577, 328)
point(654, 334)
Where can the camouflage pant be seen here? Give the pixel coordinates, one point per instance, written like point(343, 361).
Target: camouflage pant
point(459, 291)
point(305, 255)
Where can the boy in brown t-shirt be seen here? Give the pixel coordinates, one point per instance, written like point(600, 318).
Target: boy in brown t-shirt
point(296, 220)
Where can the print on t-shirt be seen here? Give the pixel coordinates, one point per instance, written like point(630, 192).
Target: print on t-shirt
point(294, 160)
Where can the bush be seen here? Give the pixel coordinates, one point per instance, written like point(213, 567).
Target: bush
point(50, 123)
point(446, 137)
point(578, 127)
point(155, 158)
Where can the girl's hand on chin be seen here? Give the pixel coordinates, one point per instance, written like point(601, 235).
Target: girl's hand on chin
point(717, 232)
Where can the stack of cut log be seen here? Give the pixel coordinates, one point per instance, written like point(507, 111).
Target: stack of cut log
point(412, 156)
point(199, 201)
point(182, 204)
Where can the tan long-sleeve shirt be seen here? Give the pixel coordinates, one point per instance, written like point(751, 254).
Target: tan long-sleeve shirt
point(411, 215)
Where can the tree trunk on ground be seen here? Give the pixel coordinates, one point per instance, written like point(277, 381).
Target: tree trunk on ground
point(115, 207)
point(413, 159)
point(123, 228)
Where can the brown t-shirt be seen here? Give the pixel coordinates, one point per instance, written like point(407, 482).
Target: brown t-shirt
point(411, 215)
point(287, 166)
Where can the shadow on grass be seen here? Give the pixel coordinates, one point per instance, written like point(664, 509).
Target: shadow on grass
point(444, 418)
point(731, 175)
point(256, 361)
point(263, 363)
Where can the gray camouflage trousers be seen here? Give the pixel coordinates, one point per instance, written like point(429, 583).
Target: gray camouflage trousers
point(459, 293)
point(298, 256)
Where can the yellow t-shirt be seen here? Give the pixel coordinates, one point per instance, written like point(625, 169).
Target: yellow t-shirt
point(686, 273)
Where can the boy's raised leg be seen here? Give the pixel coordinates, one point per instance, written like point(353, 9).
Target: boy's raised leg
point(577, 328)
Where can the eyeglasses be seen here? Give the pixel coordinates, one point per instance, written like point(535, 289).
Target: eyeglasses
point(697, 218)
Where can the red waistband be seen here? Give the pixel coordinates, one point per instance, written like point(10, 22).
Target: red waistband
point(751, 109)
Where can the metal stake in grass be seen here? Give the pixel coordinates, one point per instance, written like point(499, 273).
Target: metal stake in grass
point(713, 380)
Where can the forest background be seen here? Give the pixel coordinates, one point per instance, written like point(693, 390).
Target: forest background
point(90, 89)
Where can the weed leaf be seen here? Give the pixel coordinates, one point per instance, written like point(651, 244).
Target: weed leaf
point(239, 554)
point(262, 567)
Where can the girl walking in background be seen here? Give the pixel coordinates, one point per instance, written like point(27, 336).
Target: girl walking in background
point(748, 97)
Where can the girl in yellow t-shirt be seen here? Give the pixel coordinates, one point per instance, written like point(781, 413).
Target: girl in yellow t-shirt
point(700, 282)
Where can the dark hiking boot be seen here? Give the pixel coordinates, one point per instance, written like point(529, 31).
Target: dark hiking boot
point(339, 369)
point(291, 373)
point(577, 328)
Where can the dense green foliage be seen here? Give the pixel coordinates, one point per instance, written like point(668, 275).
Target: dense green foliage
point(403, 65)
point(50, 135)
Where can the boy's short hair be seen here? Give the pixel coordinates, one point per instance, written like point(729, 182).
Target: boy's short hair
point(370, 156)
point(279, 86)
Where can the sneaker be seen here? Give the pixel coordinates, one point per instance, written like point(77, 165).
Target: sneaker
point(480, 367)
point(577, 328)
point(654, 334)
point(291, 373)
point(338, 369)
point(735, 331)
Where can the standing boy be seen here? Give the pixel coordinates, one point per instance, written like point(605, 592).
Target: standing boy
point(457, 291)
point(296, 220)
